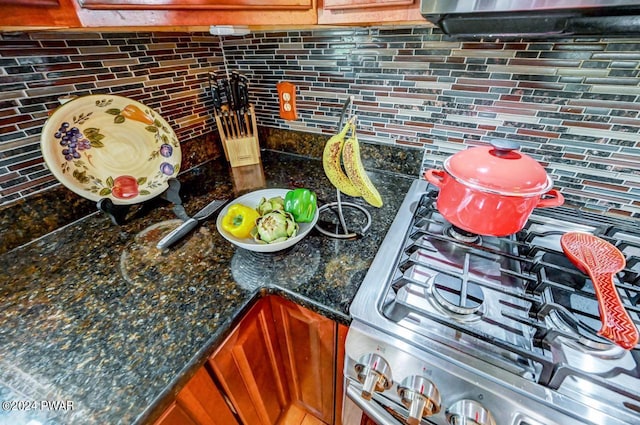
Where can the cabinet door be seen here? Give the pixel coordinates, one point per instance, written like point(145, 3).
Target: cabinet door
point(353, 4)
point(368, 11)
point(195, 14)
point(249, 367)
point(307, 341)
point(203, 402)
point(198, 4)
point(38, 14)
point(340, 356)
point(50, 3)
point(175, 415)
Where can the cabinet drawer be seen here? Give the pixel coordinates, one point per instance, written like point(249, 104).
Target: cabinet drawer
point(198, 4)
point(353, 4)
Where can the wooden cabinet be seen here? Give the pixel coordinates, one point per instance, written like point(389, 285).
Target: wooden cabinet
point(198, 4)
point(50, 3)
point(38, 14)
point(196, 15)
point(204, 403)
point(340, 356)
point(368, 11)
point(364, 4)
point(199, 403)
point(250, 368)
point(307, 343)
point(282, 364)
point(282, 359)
point(175, 415)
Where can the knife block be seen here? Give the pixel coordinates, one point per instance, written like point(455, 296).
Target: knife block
point(239, 136)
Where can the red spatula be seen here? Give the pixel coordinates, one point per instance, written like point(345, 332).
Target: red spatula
point(601, 261)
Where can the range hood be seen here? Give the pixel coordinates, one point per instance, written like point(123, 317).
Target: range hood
point(533, 18)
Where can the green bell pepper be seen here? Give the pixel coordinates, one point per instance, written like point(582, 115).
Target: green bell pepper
point(302, 204)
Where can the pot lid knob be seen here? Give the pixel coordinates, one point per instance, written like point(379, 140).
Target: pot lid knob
point(504, 146)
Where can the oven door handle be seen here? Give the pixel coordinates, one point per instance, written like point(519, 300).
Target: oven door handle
point(372, 409)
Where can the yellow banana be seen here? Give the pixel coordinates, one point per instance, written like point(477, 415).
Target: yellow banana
point(331, 163)
point(356, 172)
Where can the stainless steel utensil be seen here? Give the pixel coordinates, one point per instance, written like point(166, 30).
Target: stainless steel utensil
point(182, 230)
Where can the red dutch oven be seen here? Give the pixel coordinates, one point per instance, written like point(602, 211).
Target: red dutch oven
point(492, 190)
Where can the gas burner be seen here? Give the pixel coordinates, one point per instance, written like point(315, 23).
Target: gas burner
point(462, 235)
point(578, 335)
point(462, 298)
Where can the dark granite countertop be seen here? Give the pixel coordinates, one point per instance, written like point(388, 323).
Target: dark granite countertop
point(80, 322)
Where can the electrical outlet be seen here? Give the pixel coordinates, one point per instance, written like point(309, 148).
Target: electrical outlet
point(287, 99)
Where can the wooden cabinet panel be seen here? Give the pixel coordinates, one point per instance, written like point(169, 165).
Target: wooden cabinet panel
point(353, 4)
point(198, 403)
point(281, 362)
point(307, 342)
point(174, 415)
point(50, 3)
point(39, 14)
point(198, 4)
point(368, 11)
point(367, 421)
point(340, 356)
point(203, 402)
point(249, 366)
point(198, 15)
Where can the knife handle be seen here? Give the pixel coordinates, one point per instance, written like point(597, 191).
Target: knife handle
point(177, 233)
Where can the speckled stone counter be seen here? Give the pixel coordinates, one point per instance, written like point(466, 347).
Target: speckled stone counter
point(75, 328)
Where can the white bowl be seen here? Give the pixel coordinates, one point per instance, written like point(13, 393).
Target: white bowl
point(252, 200)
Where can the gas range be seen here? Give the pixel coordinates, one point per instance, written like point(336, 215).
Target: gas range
point(451, 327)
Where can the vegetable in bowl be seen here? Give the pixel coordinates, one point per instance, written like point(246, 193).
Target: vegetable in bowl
point(302, 204)
point(275, 226)
point(240, 220)
point(253, 200)
point(274, 203)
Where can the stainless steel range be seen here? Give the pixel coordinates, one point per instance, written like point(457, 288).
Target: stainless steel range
point(450, 328)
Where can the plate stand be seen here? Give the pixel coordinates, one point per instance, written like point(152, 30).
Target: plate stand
point(118, 213)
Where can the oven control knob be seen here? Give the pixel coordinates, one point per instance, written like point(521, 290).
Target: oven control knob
point(374, 374)
point(420, 396)
point(464, 412)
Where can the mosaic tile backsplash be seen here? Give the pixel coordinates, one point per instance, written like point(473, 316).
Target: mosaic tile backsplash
point(572, 104)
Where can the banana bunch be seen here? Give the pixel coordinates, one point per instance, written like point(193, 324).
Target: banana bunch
point(353, 180)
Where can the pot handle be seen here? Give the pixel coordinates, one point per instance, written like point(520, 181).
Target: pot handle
point(555, 199)
point(435, 177)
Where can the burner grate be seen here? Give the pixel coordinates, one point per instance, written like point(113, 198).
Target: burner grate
point(516, 299)
point(509, 313)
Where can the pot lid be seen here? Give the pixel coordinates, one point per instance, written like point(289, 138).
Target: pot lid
point(499, 168)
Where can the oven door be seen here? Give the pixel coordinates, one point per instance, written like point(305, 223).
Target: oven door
point(359, 411)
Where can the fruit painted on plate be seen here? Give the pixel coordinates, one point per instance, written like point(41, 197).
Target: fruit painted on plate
point(125, 187)
point(167, 168)
point(166, 150)
point(135, 113)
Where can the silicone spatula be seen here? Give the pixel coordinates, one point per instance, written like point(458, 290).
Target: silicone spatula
point(601, 261)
